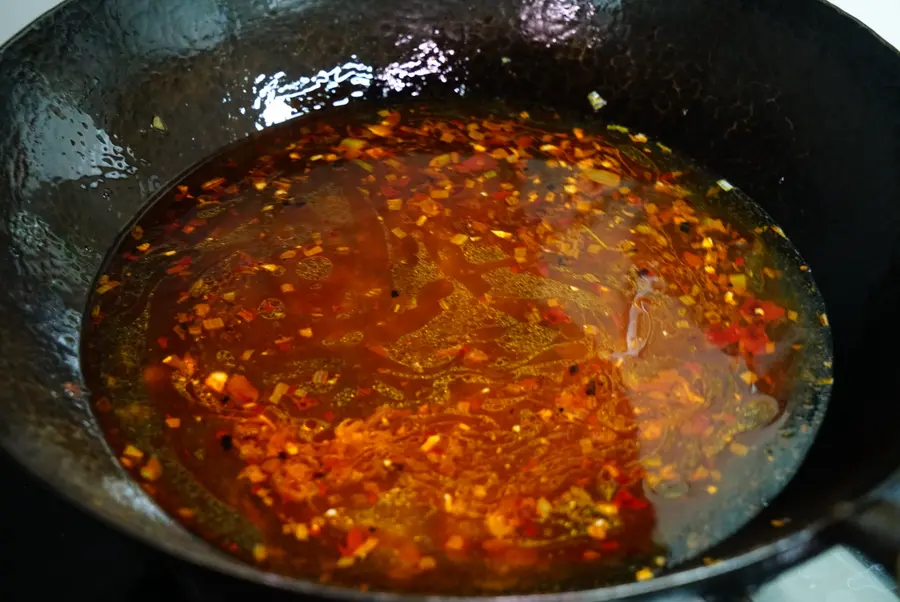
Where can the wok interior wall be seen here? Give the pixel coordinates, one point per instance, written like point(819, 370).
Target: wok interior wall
point(787, 100)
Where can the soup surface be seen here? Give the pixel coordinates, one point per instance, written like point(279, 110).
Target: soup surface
point(428, 350)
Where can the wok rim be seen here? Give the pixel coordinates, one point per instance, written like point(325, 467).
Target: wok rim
point(794, 547)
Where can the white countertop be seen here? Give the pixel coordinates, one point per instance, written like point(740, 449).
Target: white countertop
point(838, 575)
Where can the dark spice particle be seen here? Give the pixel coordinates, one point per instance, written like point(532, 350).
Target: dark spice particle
point(643, 272)
point(283, 455)
point(591, 388)
point(573, 369)
point(395, 294)
point(318, 475)
point(685, 226)
point(226, 441)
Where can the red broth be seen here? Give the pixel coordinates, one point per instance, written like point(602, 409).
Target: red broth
point(422, 349)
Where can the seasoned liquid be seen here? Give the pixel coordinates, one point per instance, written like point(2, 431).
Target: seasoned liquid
point(429, 351)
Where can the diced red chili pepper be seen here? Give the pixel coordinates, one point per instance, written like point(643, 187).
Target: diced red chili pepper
point(722, 336)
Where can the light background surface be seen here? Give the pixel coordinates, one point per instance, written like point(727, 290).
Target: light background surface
point(837, 576)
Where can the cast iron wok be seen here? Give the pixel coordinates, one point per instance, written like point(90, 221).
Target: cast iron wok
point(795, 103)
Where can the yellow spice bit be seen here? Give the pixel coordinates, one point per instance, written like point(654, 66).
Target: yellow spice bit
point(367, 546)
point(213, 323)
point(216, 381)
point(644, 574)
point(598, 529)
point(430, 443)
point(707, 243)
point(455, 543)
point(459, 239)
point(739, 449)
point(133, 452)
point(313, 251)
point(395, 204)
point(346, 562)
point(440, 194)
point(301, 532)
point(399, 232)
point(152, 470)
point(288, 254)
point(287, 288)
point(421, 221)
point(749, 377)
point(825, 381)
point(427, 563)
point(279, 392)
point(501, 234)
point(687, 300)
point(711, 489)
point(607, 509)
point(792, 315)
point(306, 333)
point(260, 553)
point(823, 319)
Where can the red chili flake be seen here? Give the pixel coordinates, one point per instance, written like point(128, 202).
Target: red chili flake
point(771, 311)
point(555, 315)
point(764, 310)
point(524, 141)
point(739, 262)
point(754, 339)
point(722, 336)
point(241, 390)
point(355, 538)
point(531, 465)
point(328, 416)
point(695, 261)
point(477, 162)
point(608, 546)
point(163, 342)
point(624, 499)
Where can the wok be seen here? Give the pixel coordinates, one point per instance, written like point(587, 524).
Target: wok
point(796, 103)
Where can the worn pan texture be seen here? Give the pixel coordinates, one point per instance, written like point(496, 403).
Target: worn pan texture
point(794, 102)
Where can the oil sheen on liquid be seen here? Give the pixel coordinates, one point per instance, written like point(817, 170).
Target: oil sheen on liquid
point(428, 349)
